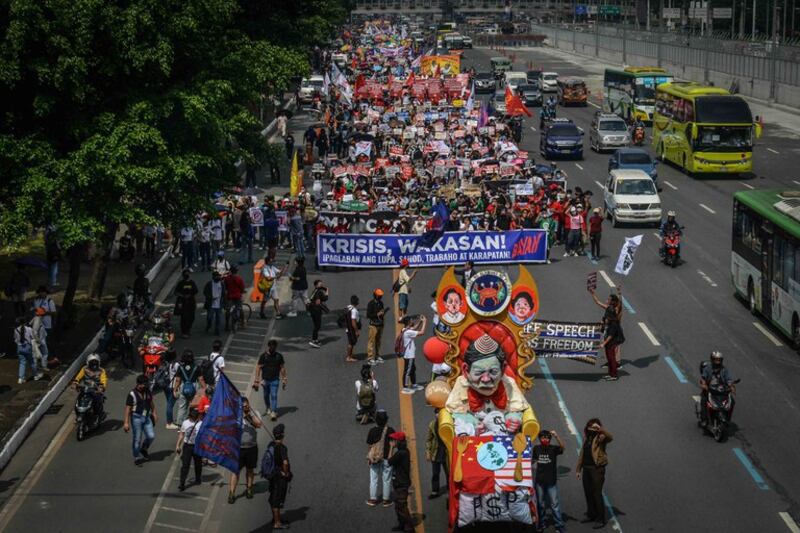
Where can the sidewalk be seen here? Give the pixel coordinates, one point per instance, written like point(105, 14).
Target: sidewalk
point(16, 400)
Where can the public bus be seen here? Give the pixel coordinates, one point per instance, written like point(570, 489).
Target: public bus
point(631, 92)
point(703, 129)
point(765, 257)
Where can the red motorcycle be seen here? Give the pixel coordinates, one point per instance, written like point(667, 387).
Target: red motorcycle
point(672, 248)
point(638, 135)
point(153, 352)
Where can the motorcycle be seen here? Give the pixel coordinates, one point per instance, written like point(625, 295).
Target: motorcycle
point(671, 249)
point(86, 419)
point(638, 136)
point(122, 342)
point(720, 408)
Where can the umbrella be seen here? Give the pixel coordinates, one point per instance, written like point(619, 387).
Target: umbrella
point(31, 261)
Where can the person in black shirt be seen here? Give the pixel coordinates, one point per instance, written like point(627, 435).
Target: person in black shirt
point(140, 414)
point(545, 459)
point(375, 312)
point(270, 373)
point(185, 304)
point(400, 461)
point(279, 484)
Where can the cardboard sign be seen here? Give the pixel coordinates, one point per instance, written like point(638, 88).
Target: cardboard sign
point(396, 150)
point(591, 282)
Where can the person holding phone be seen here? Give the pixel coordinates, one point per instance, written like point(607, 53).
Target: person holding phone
point(591, 469)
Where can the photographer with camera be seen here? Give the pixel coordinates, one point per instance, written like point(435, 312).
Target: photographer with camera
point(413, 326)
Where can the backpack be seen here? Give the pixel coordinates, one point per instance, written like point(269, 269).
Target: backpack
point(343, 318)
point(207, 370)
point(375, 451)
point(188, 388)
point(366, 395)
point(399, 345)
point(268, 466)
point(161, 378)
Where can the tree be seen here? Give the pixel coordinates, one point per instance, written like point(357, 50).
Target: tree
point(131, 112)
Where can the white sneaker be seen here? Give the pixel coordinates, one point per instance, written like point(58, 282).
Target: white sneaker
point(291, 314)
point(408, 391)
point(380, 359)
point(38, 376)
point(20, 381)
point(566, 254)
point(314, 344)
point(419, 387)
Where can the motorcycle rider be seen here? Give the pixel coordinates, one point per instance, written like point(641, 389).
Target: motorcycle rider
point(670, 225)
point(637, 125)
point(711, 375)
point(141, 287)
point(114, 319)
point(94, 376)
point(161, 329)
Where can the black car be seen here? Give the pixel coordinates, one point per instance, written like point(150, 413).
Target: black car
point(485, 82)
point(533, 75)
point(530, 93)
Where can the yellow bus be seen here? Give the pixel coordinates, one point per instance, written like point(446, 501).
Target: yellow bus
point(703, 129)
point(631, 92)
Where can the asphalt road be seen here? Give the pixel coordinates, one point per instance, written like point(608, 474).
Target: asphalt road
point(664, 474)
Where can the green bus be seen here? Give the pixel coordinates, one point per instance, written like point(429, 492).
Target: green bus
point(703, 129)
point(631, 92)
point(765, 257)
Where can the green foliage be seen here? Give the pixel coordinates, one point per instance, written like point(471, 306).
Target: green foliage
point(137, 111)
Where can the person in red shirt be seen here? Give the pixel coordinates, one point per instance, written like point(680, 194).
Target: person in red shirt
point(595, 232)
point(234, 285)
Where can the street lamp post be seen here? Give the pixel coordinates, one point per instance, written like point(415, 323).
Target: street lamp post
point(753, 31)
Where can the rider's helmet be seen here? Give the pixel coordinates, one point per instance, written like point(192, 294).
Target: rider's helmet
point(93, 361)
point(221, 253)
point(671, 216)
point(716, 359)
point(159, 320)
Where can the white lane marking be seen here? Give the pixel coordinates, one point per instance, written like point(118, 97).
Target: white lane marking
point(234, 363)
point(532, 128)
point(704, 206)
point(795, 181)
point(773, 151)
point(170, 526)
point(245, 333)
point(747, 185)
point(657, 235)
point(789, 521)
point(671, 186)
point(696, 397)
point(578, 165)
point(606, 278)
point(649, 334)
point(174, 510)
point(238, 372)
point(593, 104)
point(767, 334)
point(598, 184)
point(247, 341)
point(707, 278)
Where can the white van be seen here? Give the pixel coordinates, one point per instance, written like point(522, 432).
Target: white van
point(630, 195)
point(515, 78)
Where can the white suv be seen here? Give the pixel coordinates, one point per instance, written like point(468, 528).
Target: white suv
point(309, 87)
point(630, 196)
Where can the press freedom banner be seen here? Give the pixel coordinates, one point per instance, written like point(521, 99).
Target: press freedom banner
point(220, 435)
point(454, 248)
point(568, 340)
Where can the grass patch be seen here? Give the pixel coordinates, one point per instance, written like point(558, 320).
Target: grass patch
point(33, 247)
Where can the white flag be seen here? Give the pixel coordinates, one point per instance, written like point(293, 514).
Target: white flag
point(363, 147)
point(326, 84)
point(625, 260)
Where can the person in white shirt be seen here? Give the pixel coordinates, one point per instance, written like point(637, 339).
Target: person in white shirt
point(204, 245)
point(352, 328)
point(221, 265)
point(270, 274)
point(217, 235)
point(44, 301)
point(187, 437)
point(217, 359)
point(413, 326)
point(187, 248)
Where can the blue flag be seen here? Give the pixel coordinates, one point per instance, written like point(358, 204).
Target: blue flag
point(436, 226)
point(220, 434)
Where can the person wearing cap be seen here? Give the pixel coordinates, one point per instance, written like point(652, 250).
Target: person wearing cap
point(400, 461)
point(403, 289)
point(375, 314)
point(220, 264)
point(596, 231)
point(545, 460)
point(279, 483)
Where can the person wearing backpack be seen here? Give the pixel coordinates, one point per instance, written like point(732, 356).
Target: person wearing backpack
point(377, 454)
point(270, 372)
point(352, 325)
point(211, 367)
point(184, 385)
point(185, 448)
point(23, 338)
point(366, 387)
point(279, 476)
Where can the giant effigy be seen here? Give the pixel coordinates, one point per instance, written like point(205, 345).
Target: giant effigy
point(485, 421)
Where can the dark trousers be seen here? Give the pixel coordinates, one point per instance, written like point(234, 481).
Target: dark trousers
point(187, 455)
point(611, 358)
point(401, 509)
point(435, 466)
point(187, 316)
point(316, 318)
point(595, 240)
point(409, 373)
point(593, 478)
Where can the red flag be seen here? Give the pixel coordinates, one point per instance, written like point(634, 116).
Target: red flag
point(410, 80)
point(514, 105)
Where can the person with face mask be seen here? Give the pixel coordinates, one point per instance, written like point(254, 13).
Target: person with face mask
point(140, 414)
point(216, 295)
point(545, 460)
point(591, 468)
point(185, 304)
